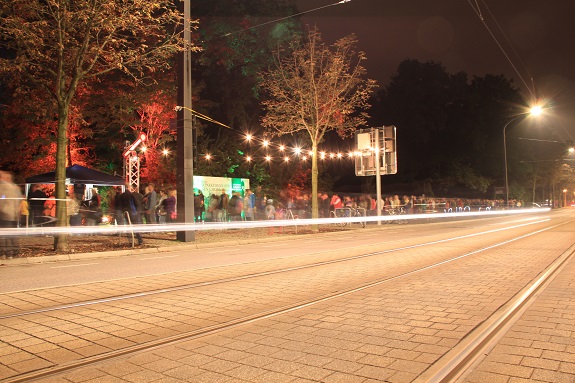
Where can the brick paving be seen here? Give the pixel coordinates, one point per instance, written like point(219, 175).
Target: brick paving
point(392, 332)
point(540, 347)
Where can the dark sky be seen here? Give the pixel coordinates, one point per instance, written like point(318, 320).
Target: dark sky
point(541, 34)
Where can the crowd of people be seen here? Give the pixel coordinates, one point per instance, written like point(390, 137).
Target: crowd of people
point(260, 206)
point(119, 205)
point(10, 211)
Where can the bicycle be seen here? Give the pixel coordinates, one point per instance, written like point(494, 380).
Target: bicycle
point(350, 213)
point(397, 211)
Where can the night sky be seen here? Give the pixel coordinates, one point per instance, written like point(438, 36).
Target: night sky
point(450, 31)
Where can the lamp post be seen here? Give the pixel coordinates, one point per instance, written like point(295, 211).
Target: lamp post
point(564, 197)
point(534, 111)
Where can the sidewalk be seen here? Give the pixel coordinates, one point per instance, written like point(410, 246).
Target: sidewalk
point(37, 249)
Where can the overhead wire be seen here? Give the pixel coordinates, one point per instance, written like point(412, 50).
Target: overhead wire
point(282, 18)
point(477, 10)
point(209, 119)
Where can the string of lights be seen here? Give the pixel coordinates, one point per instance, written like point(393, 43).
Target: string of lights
point(282, 152)
point(266, 150)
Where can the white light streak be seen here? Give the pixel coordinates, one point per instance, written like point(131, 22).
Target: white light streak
point(147, 228)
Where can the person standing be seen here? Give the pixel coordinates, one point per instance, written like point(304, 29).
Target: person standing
point(140, 198)
point(36, 202)
point(199, 207)
point(24, 212)
point(249, 205)
point(335, 202)
point(260, 203)
point(223, 206)
point(213, 208)
point(95, 215)
point(270, 213)
point(9, 214)
point(235, 207)
point(117, 206)
point(133, 206)
point(50, 210)
point(151, 200)
point(323, 203)
point(159, 208)
point(73, 210)
point(170, 204)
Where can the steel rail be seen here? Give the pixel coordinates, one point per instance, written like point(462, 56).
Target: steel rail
point(209, 330)
point(458, 362)
point(248, 276)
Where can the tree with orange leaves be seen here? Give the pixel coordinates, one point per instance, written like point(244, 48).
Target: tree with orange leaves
point(315, 88)
point(56, 45)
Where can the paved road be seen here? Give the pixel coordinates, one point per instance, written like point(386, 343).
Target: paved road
point(387, 304)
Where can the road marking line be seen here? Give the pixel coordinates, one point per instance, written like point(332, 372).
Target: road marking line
point(82, 264)
point(219, 251)
point(166, 256)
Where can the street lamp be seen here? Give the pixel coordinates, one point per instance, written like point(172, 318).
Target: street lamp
point(534, 111)
point(564, 197)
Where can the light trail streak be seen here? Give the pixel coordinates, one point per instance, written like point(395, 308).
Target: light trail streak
point(204, 226)
point(78, 265)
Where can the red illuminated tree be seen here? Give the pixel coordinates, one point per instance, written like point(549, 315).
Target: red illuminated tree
point(154, 119)
point(58, 44)
point(315, 88)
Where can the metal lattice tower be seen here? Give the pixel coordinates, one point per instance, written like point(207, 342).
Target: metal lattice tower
point(132, 166)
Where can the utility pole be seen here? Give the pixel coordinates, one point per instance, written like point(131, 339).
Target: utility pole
point(185, 155)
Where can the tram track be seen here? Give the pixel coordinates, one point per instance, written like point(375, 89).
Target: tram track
point(455, 365)
point(208, 330)
point(255, 275)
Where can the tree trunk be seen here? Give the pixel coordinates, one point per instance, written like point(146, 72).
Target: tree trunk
point(61, 240)
point(314, 182)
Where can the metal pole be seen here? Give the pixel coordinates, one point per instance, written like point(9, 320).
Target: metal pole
point(377, 174)
point(505, 156)
point(185, 155)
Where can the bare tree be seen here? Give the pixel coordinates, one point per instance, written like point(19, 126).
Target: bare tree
point(316, 88)
point(57, 44)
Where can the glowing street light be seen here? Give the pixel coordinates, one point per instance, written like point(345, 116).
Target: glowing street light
point(536, 110)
